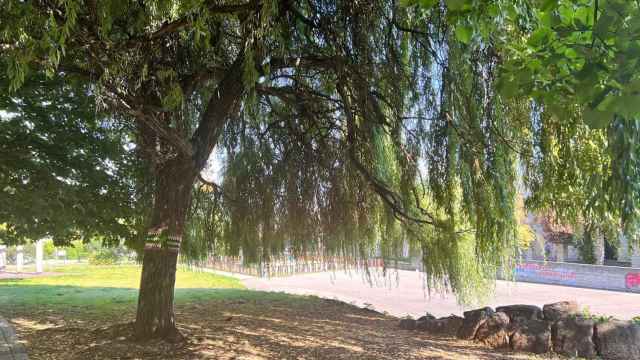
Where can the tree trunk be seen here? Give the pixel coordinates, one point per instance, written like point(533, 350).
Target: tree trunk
point(155, 316)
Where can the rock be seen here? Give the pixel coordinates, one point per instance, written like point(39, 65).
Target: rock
point(446, 326)
point(521, 312)
point(618, 340)
point(426, 317)
point(559, 310)
point(494, 332)
point(408, 324)
point(472, 321)
point(573, 336)
point(531, 335)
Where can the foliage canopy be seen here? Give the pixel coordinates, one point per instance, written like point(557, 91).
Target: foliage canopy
point(350, 127)
point(65, 171)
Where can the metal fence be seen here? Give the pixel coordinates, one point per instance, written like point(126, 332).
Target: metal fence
point(288, 267)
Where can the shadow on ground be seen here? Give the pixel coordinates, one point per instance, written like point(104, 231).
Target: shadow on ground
point(228, 324)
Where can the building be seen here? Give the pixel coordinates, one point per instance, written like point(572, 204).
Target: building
point(554, 242)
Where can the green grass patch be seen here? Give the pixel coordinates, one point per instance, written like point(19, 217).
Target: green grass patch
point(106, 288)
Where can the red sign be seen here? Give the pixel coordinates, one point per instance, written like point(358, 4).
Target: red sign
point(632, 280)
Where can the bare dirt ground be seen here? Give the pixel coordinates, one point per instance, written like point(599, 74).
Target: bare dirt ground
point(254, 328)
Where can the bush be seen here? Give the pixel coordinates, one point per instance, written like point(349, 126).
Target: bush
point(78, 250)
point(49, 249)
point(105, 256)
point(636, 319)
point(586, 314)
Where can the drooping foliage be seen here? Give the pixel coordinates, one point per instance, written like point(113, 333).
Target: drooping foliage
point(352, 128)
point(576, 63)
point(392, 148)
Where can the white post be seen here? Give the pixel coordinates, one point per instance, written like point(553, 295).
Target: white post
point(538, 245)
point(3, 256)
point(561, 252)
point(623, 249)
point(19, 258)
point(635, 258)
point(39, 255)
point(598, 247)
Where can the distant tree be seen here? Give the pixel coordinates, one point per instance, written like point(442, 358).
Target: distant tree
point(66, 170)
point(346, 127)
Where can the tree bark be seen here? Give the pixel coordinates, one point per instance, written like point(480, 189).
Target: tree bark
point(155, 316)
point(174, 183)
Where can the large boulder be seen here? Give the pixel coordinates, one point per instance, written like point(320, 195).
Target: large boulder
point(559, 310)
point(408, 324)
point(472, 321)
point(427, 316)
point(618, 340)
point(495, 331)
point(521, 312)
point(446, 326)
point(531, 335)
point(573, 336)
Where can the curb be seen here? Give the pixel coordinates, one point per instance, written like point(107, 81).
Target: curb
point(10, 349)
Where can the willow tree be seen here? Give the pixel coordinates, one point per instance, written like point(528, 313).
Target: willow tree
point(348, 127)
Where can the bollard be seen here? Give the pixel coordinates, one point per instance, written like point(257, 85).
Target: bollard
point(19, 258)
point(635, 258)
point(3, 257)
point(39, 256)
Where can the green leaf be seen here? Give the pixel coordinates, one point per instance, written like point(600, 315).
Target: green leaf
point(549, 5)
point(538, 37)
point(508, 87)
point(409, 3)
point(428, 3)
point(458, 5)
point(602, 26)
point(463, 33)
point(628, 105)
point(596, 119)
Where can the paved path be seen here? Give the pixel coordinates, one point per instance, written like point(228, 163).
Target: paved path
point(407, 297)
point(10, 349)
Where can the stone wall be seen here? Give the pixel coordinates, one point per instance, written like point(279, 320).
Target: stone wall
point(557, 327)
point(582, 275)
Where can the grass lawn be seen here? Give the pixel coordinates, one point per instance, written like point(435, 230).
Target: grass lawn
point(85, 312)
point(100, 289)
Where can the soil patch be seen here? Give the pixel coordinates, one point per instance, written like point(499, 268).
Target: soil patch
point(256, 328)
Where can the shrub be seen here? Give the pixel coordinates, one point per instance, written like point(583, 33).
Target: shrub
point(49, 249)
point(586, 314)
point(104, 256)
point(78, 250)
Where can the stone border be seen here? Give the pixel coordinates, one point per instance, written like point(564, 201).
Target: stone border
point(557, 327)
point(10, 349)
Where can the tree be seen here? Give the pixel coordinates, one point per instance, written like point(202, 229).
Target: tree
point(66, 171)
point(347, 127)
point(577, 60)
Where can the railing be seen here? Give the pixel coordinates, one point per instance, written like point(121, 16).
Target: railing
point(288, 267)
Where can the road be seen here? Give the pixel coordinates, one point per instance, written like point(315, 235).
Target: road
point(408, 297)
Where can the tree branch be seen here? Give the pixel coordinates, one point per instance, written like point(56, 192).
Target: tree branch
point(389, 197)
point(179, 24)
point(223, 102)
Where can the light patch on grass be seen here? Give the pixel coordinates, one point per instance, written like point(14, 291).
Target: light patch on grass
point(103, 288)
